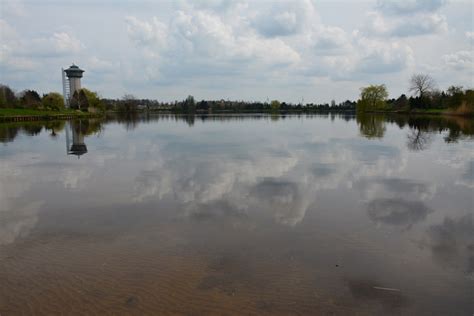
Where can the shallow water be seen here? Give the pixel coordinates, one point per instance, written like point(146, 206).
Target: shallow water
point(246, 214)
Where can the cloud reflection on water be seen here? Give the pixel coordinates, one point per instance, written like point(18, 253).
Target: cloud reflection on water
point(397, 212)
point(452, 243)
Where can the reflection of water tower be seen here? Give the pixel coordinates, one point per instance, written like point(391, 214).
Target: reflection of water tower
point(75, 145)
point(71, 81)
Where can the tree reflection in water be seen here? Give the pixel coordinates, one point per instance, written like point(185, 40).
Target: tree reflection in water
point(421, 128)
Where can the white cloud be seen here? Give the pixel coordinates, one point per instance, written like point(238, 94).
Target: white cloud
point(65, 43)
point(146, 33)
point(470, 36)
point(378, 24)
point(202, 41)
point(462, 60)
point(167, 50)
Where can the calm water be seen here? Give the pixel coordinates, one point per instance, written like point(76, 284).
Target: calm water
point(237, 215)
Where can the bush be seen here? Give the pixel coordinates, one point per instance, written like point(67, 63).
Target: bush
point(53, 101)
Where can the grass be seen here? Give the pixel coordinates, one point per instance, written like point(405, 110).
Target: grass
point(11, 112)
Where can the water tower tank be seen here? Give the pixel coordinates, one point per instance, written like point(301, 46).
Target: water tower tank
point(74, 75)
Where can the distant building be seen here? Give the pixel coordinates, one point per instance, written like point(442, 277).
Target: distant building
point(71, 82)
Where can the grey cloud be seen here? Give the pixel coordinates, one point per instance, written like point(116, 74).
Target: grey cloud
point(269, 181)
point(282, 24)
point(18, 222)
point(421, 25)
point(284, 18)
point(397, 212)
point(452, 243)
point(394, 188)
point(409, 6)
point(467, 177)
point(283, 199)
point(203, 43)
point(329, 40)
point(380, 25)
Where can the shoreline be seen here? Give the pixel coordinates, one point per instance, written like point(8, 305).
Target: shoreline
point(48, 115)
point(434, 112)
point(40, 115)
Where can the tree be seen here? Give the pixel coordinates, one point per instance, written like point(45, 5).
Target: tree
point(421, 84)
point(7, 97)
point(130, 103)
point(401, 103)
point(54, 101)
point(456, 96)
point(372, 98)
point(189, 104)
point(83, 101)
point(275, 105)
point(30, 99)
point(93, 99)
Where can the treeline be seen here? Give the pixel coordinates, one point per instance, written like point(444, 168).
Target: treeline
point(84, 100)
point(190, 105)
point(425, 96)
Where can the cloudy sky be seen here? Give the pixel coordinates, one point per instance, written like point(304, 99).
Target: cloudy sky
point(294, 50)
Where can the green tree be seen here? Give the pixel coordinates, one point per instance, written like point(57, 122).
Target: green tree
point(53, 101)
point(275, 105)
point(93, 100)
point(189, 104)
point(7, 97)
point(83, 101)
point(372, 98)
point(30, 99)
point(456, 96)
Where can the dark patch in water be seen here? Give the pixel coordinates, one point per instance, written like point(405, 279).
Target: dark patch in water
point(131, 302)
point(370, 291)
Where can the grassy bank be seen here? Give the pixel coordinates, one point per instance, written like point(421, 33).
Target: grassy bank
point(16, 114)
point(457, 112)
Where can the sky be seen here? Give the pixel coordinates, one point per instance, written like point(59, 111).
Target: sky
point(309, 51)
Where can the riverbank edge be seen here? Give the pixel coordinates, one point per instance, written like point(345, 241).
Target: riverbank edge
point(439, 112)
point(48, 116)
point(67, 116)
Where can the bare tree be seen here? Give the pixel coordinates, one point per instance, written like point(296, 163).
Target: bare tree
point(421, 84)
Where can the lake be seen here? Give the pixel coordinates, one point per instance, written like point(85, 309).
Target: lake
point(238, 214)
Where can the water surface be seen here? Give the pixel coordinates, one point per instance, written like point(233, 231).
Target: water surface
point(237, 215)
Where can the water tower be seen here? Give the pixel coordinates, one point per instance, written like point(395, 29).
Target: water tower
point(71, 81)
